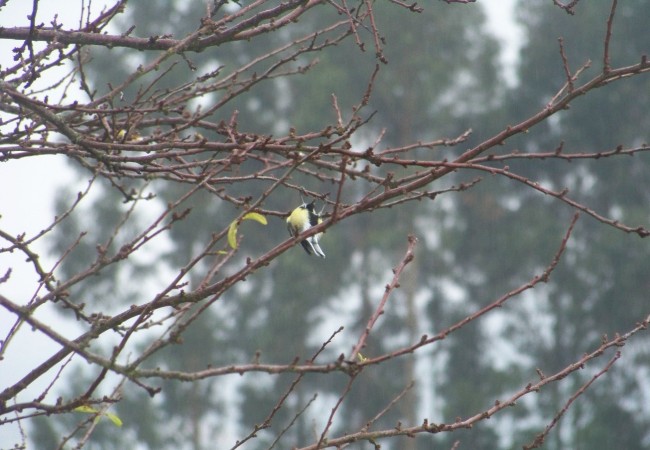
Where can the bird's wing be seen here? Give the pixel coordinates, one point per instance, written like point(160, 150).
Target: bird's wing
point(307, 246)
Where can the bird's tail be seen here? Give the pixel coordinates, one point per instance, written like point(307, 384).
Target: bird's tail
point(314, 245)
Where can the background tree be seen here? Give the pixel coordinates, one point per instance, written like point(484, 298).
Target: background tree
point(367, 108)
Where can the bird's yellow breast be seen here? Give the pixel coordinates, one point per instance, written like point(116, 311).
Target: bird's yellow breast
point(299, 219)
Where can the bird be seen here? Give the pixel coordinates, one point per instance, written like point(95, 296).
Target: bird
point(300, 220)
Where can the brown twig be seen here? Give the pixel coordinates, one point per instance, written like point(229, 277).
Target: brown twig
point(608, 36)
point(565, 65)
point(379, 310)
point(428, 427)
point(539, 439)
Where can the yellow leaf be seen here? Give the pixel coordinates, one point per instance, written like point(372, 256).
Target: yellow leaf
point(256, 217)
point(232, 234)
point(232, 230)
point(86, 409)
point(90, 410)
point(113, 418)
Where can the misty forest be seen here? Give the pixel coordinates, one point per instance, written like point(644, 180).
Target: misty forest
point(485, 283)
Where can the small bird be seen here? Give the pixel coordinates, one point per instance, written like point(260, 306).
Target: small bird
point(300, 220)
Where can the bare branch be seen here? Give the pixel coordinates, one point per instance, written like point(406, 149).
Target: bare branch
point(608, 37)
point(394, 284)
point(539, 439)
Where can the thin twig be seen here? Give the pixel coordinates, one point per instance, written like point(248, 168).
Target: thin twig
point(379, 310)
point(608, 36)
point(539, 439)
